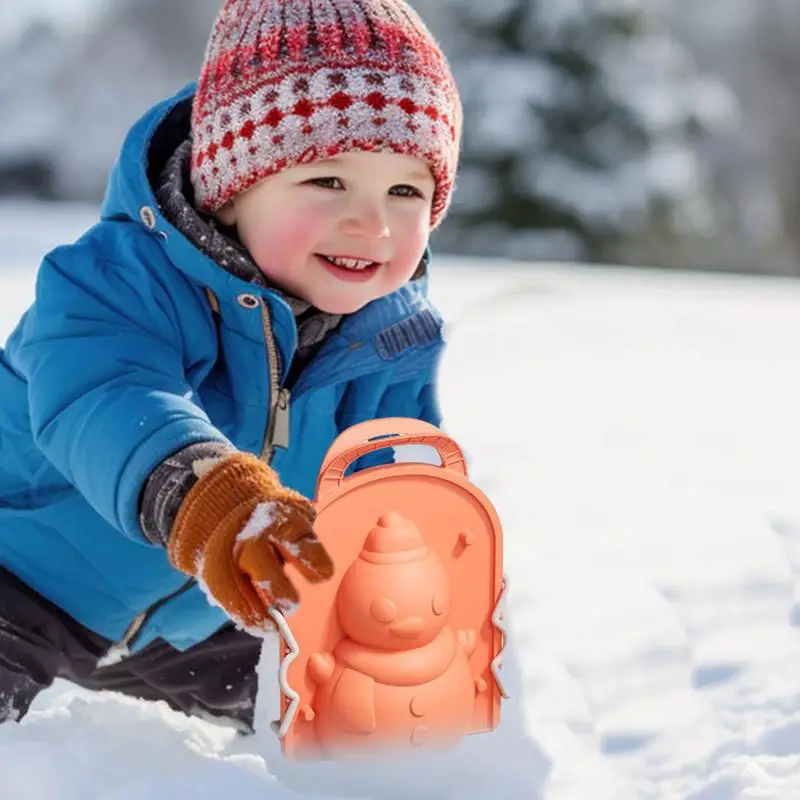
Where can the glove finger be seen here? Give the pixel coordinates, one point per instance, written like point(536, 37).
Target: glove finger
point(294, 503)
point(230, 588)
point(298, 544)
point(261, 563)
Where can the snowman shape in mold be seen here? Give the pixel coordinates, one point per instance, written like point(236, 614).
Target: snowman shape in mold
point(400, 676)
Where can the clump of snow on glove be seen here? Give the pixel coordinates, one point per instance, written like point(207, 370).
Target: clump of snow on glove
point(264, 516)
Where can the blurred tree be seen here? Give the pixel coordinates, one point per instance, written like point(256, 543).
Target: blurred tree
point(26, 65)
point(136, 53)
point(69, 101)
point(582, 123)
point(776, 36)
point(755, 166)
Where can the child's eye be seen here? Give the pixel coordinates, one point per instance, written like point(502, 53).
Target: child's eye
point(401, 190)
point(407, 191)
point(325, 183)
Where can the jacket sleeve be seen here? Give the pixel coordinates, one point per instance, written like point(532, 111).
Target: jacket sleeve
point(101, 349)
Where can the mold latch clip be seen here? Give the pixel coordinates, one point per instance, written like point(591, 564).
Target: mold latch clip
point(499, 622)
point(280, 727)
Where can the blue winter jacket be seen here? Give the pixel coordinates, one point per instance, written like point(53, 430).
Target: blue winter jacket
point(136, 346)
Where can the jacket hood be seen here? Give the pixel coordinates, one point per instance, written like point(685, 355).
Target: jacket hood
point(145, 151)
point(134, 180)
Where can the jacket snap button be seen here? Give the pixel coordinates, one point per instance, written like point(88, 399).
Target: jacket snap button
point(248, 300)
point(147, 216)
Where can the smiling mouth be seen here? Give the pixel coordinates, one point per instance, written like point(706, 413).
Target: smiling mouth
point(355, 264)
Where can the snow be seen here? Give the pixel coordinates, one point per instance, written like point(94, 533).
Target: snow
point(263, 516)
point(638, 433)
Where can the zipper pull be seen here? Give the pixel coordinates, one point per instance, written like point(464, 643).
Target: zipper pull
point(280, 422)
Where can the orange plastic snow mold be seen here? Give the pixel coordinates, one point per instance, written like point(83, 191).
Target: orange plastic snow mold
point(403, 647)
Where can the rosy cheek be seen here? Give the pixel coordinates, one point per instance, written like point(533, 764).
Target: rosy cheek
point(411, 245)
point(297, 234)
point(417, 229)
point(257, 242)
point(304, 227)
point(286, 237)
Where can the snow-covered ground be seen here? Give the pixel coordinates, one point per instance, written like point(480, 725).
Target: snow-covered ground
point(639, 433)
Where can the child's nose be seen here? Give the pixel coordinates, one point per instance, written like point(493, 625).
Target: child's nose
point(367, 220)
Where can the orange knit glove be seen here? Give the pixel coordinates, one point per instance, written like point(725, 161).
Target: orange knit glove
point(236, 529)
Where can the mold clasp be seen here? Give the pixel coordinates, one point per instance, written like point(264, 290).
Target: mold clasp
point(499, 622)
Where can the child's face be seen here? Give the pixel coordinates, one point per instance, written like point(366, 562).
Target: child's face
point(370, 206)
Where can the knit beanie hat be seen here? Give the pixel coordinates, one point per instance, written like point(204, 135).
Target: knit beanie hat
point(288, 82)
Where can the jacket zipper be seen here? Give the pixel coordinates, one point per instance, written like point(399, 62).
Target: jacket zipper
point(277, 433)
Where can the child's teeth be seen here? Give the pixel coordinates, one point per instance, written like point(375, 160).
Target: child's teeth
point(349, 263)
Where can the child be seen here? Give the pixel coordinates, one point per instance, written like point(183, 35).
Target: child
point(255, 285)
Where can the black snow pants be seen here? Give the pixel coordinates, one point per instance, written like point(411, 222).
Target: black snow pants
point(39, 643)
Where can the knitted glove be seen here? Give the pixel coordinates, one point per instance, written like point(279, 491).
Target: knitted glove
point(236, 529)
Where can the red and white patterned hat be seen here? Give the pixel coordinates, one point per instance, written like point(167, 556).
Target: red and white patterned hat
point(288, 82)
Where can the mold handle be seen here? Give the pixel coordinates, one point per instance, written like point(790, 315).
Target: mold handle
point(376, 434)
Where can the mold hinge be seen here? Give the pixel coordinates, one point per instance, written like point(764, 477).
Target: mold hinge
point(280, 727)
point(499, 622)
